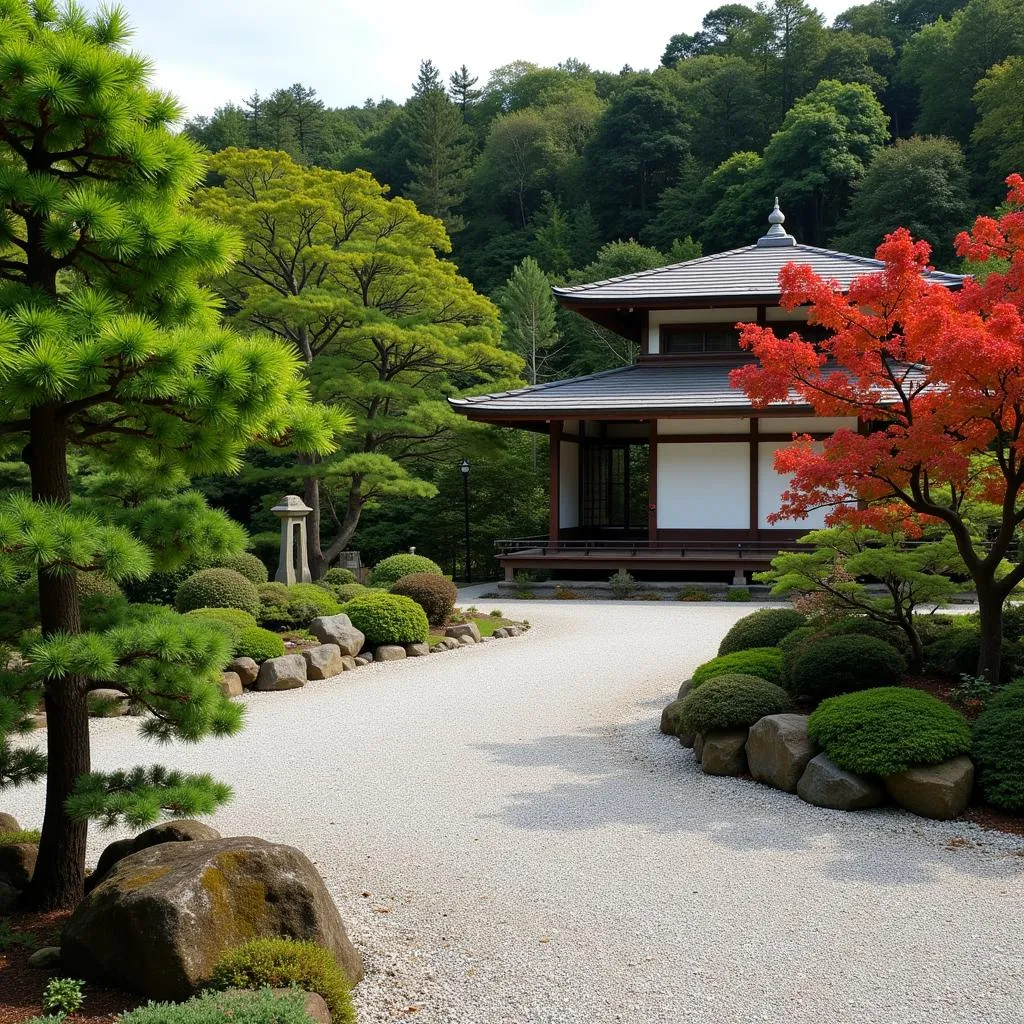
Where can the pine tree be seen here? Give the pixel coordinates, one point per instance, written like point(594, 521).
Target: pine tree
point(528, 309)
point(109, 346)
point(460, 88)
point(253, 107)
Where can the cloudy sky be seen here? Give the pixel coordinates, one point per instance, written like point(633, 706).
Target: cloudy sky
point(211, 51)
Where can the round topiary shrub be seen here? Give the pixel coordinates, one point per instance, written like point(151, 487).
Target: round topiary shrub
point(258, 644)
point(998, 749)
point(346, 591)
point(763, 662)
point(761, 629)
point(887, 730)
point(861, 625)
point(388, 618)
point(338, 577)
point(731, 702)
point(245, 564)
point(391, 570)
point(434, 594)
point(283, 963)
point(292, 607)
point(830, 665)
point(95, 584)
point(217, 588)
point(231, 620)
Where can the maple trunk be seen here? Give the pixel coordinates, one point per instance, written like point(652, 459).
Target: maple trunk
point(990, 612)
point(59, 876)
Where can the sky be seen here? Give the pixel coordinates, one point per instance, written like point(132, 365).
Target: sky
point(210, 52)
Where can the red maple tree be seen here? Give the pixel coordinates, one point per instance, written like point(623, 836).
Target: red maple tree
point(935, 378)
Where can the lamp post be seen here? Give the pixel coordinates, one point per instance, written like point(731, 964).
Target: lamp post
point(464, 469)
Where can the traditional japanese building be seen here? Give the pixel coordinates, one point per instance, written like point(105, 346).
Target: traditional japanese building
point(662, 467)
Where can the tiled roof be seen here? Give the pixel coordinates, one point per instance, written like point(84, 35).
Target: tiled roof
point(752, 271)
point(643, 388)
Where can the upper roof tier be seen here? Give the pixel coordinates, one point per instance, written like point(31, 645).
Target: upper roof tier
point(748, 273)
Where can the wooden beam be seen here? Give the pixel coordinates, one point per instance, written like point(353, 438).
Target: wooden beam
point(652, 481)
point(554, 488)
point(726, 438)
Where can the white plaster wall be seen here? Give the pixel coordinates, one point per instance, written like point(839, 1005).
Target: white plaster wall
point(703, 486)
point(770, 486)
point(568, 484)
point(706, 425)
point(728, 315)
point(806, 424)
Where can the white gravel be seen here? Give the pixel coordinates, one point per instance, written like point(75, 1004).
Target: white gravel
point(511, 840)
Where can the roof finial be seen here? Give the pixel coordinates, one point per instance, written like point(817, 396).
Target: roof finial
point(776, 234)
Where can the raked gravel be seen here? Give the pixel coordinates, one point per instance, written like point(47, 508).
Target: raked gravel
point(510, 840)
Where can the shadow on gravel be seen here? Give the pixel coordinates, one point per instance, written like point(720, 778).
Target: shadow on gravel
point(628, 775)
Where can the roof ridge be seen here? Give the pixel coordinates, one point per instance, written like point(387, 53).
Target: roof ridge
point(543, 386)
point(653, 270)
point(852, 257)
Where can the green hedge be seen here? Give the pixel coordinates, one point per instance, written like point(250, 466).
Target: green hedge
point(763, 662)
point(232, 621)
point(217, 588)
point(761, 629)
point(280, 963)
point(259, 644)
point(390, 570)
point(388, 618)
point(998, 749)
point(887, 730)
point(239, 1007)
point(435, 594)
point(830, 665)
point(294, 606)
point(731, 702)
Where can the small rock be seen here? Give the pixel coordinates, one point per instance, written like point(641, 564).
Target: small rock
point(500, 633)
point(940, 791)
point(513, 631)
point(685, 688)
point(323, 662)
point(361, 661)
point(464, 629)
point(246, 669)
point(347, 663)
point(37, 721)
point(417, 650)
point(9, 823)
point(288, 672)
point(778, 750)
point(698, 745)
point(45, 958)
point(17, 862)
point(724, 752)
point(389, 652)
point(670, 718)
point(825, 784)
point(230, 684)
point(467, 641)
point(338, 629)
point(107, 704)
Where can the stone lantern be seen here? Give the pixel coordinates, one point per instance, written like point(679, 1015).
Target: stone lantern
point(293, 565)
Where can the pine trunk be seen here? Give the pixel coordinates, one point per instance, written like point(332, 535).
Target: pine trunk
point(60, 868)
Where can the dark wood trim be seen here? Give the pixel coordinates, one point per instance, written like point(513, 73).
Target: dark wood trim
point(733, 412)
point(554, 488)
point(725, 438)
point(652, 480)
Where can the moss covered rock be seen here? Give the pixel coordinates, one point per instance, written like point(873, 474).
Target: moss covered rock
point(162, 919)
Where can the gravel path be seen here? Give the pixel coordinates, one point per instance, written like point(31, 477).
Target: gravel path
point(512, 841)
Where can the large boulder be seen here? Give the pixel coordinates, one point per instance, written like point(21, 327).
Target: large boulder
point(338, 629)
point(825, 784)
point(246, 669)
point(230, 684)
point(724, 752)
point(324, 661)
point(389, 652)
point(9, 823)
point(181, 830)
point(17, 862)
point(164, 916)
point(697, 744)
point(464, 629)
point(670, 718)
point(935, 791)
point(417, 650)
point(778, 750)
point(685, 688)
point(288, 672)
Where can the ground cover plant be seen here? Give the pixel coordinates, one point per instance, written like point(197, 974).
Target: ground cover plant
point(244, 1007)
point(887, 730)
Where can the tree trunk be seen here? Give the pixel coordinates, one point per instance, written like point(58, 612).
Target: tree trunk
point(349, 523)
point(311, 496)
point(990, 611)
point(60, 868)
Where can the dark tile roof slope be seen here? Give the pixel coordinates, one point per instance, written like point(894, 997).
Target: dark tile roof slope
point(750, 271)
point(644, 389)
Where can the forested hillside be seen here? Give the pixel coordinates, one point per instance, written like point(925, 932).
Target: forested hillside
point(900, 112)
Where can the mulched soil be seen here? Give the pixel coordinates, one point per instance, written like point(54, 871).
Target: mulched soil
point(21, 986)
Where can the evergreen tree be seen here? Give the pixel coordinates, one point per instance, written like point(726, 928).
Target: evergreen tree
point(528, 313)
point(109, 346)
point(253, 108)
point(460, 87)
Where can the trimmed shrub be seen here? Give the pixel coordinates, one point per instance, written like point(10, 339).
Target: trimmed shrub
point(829, 665)
point(731, 702)
point(246, 564)
point(792, 644)
point(259, 644)
point(998, 748)
point(888, 729)
point(738, 594)
point(338, 577)
point(241, 1007)
point(952, 646)
point(434, 594)
point(861, 625)
point(388, 618)
point(344, 592)
point(95, 584)
point(391, 570)
point(621, 584)
point(217, 588)
point(292, 607)
point(232, 621)
point(761, 629)
point(763, 662)
point(280, 963)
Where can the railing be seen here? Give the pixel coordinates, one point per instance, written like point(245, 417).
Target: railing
point(677, 549)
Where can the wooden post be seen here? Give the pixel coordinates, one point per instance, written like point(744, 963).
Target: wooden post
point(652, 481)
point(555, 461)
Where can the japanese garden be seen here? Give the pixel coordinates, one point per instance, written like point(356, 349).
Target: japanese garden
point(545, 547)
